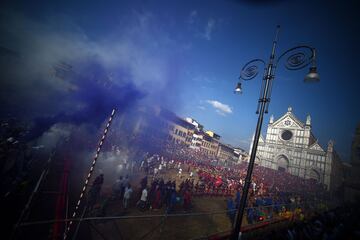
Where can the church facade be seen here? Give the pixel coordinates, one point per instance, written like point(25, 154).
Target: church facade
point(352, 189)
point(290, 146)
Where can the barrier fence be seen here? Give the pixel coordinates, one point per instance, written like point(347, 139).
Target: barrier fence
point(192, 225)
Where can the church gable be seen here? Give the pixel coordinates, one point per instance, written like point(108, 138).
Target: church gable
point(316, 146)
point(288, 121)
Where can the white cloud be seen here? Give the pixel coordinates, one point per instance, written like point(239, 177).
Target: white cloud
point(202, 78)
point(201, 30)
point(221, 108)
point(209, 29)
point(192, 16)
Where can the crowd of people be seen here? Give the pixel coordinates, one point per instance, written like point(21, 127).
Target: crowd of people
point(165, 193)
point(216, 179)
point(339, 223)
point(198, 175)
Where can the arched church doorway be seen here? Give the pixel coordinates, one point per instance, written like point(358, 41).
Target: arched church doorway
point(314, 175)
point(282, 163)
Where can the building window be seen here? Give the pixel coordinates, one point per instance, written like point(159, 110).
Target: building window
point(286, 135)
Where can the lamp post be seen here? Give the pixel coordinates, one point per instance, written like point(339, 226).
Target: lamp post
point(298, 58)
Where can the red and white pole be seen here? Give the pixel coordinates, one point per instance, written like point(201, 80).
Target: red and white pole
point(90, 172)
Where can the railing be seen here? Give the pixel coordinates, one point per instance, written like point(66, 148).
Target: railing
point(192, 225)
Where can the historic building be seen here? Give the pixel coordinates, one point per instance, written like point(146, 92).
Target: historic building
point(352, 188)
point(225, 152)
point(242, 155)
point(291, 146)
point(190, 133)
point(182, 132)
point(179, 130)
point(210, 143)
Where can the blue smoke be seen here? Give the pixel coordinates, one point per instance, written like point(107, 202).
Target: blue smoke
point(96, 95)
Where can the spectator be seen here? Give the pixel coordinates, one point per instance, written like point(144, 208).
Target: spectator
point(187, 200)
point(143, 200)
point(231, 210)
point(116, 189)
point(157, 198)
point(127, 196)
point(94, 192)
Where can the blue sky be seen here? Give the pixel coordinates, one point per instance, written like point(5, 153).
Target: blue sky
point(187, 55)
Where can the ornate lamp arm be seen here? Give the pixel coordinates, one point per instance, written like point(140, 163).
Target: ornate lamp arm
point(251, 69)
point(300, 57)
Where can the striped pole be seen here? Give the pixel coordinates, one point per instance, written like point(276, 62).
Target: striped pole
point(90, 172)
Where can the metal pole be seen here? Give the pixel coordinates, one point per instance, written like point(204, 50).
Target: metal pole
point(263, 102)
point(33, 193)
point(78, 226)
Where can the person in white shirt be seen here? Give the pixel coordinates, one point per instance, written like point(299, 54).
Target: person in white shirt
point(142, 202)
point(144, 195)
point(180, 172)
point(142, 164)
point(127, 196)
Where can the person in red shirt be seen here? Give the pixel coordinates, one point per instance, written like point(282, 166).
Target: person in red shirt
point(187, 200)
point(157, 201)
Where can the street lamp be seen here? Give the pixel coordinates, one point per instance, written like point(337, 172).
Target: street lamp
point(298, 58)
point(312, 76)
point(238, 88)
